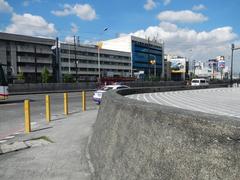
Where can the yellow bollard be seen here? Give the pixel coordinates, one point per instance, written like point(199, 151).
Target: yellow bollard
point(66, 103)
point(48, 108)
point(83, 101)
point(27, 116)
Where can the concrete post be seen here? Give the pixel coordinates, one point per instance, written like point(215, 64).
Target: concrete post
point(27, 116)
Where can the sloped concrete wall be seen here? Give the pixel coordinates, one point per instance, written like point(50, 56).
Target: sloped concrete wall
point(134, 140)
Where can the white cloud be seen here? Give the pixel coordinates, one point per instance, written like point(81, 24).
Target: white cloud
point(185, 16)
point(5, 7)
point(198, 7)
point(28, 24)
point(166, 2)
point(74, 28)
point(27, 2)
point(84, 12)
point(179, 41)
point(69, 39)
point(150, 4)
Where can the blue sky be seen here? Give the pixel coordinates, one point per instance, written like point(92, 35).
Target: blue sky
point(197, 29)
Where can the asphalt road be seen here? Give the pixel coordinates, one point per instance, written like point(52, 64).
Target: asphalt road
point(220, 101)
point(12, 114)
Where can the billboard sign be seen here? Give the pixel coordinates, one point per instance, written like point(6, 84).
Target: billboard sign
point(221, 64)
point(178, 65)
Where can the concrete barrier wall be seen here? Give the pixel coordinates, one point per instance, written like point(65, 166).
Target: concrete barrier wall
point(39, 87)
point(135, 140)
point(35, 87)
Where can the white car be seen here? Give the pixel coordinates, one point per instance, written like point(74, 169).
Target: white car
point(199, 82)
point(97, 96)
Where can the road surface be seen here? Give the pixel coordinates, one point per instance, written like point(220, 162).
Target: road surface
point(220, 101)
point(12, 114)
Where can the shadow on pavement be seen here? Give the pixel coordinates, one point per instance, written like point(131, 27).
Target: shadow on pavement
point(36, 130)
point(14, 101)
point(58, 119)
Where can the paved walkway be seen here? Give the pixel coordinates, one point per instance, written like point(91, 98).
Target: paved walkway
point(56, 151)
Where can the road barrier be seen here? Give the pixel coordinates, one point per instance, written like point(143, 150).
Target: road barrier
point(48, 108)
point(83, 101)
point(66, 103)
point(27, 116)
point(138, 140)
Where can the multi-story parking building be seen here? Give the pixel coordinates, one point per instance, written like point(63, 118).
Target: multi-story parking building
point(146, 55)
point(82, 61)
point(25, 54)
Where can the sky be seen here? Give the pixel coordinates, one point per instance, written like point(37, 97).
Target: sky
point(196, 29)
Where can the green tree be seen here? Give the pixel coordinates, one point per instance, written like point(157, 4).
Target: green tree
point(45, 75)
point(20, 76)
point(67, 78)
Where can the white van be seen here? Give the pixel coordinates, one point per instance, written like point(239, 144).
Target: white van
point(199, 82)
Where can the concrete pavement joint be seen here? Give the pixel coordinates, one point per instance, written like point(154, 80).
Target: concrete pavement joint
point(90, 165)
point(16, 146)
point(21, 145)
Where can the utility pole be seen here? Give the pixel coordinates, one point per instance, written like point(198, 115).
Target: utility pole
point(232, 48)
point(155, 68)
point(231, 78)
point(78, 41)
point(75, 53)
point(58, 63)
point(194, 64)
point(35, 63)
point(69, 59)
point(149, 71)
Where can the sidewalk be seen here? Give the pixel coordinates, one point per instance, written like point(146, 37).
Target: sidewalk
point(56, 151)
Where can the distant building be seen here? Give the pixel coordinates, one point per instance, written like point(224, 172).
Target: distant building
point(146, 55)
point(212, 69)
point(84, 63)
point(25, 54)
point(179, 67)
point(167, 70)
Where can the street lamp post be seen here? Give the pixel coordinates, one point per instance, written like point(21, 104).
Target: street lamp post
point(99, 46)
point(231, 78)
point(75, 55)
point(232, 48)
point(69, 60)
point(153, 62)
point(155, 69)
point(77, 68)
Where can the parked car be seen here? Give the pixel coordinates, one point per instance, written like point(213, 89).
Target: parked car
point(199, 82)
point(97, 96)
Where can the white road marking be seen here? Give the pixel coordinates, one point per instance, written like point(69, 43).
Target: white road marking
point(3, 141)
point(223, 101)
point(9, 137)
point(144, 97)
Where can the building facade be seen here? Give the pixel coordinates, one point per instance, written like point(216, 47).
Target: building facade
point(179, 67)
point(86, 61)
point(25, 55)
point(146, 56)
point(212, 69)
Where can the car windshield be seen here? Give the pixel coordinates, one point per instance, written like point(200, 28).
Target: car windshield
point(195, 81)
point(107, 88)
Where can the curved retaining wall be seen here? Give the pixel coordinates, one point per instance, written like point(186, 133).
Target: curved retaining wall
point(134, 140)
